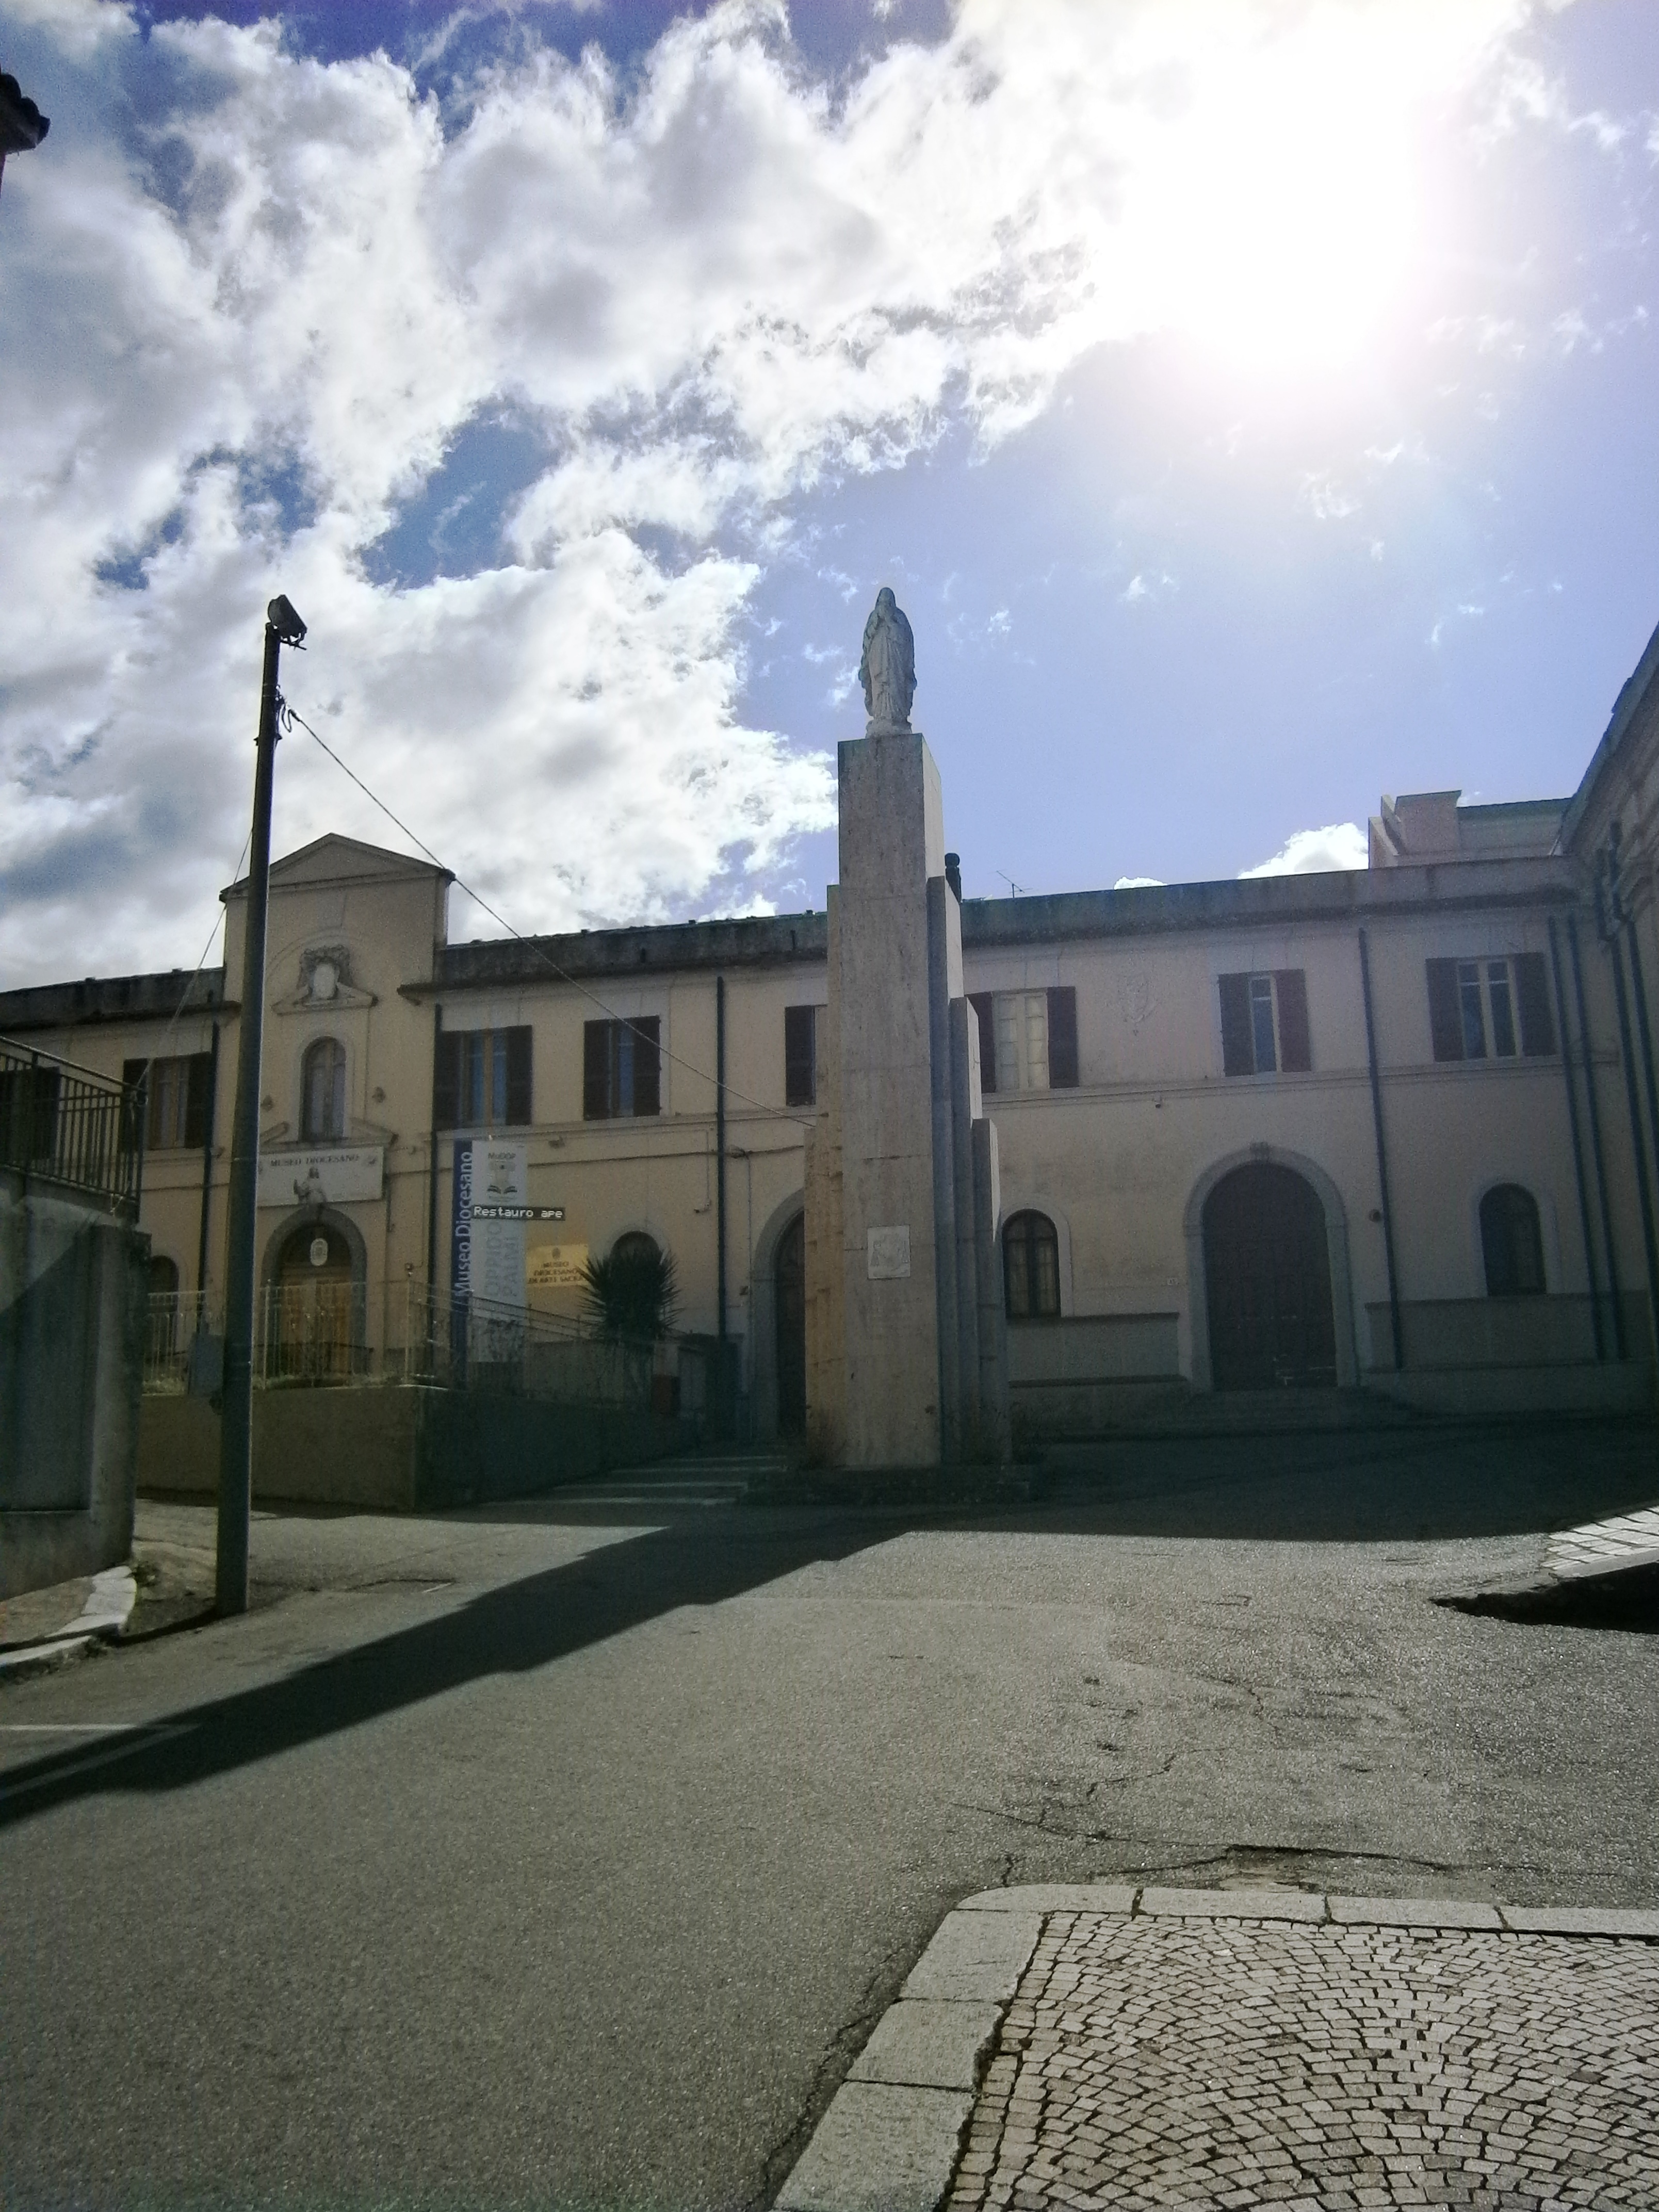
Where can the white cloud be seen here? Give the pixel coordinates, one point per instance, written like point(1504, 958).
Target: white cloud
point(1313, 852)
point(1139, 884)
point(243, 334)
point(1325, 499)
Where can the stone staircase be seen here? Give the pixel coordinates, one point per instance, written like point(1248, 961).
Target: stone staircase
point(689, 1482)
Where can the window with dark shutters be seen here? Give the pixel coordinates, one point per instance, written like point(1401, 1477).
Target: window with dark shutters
point(800, 1056)
point(1295, 1043)
point(1537, 1020)
point(985, 1015)
point(621, 1068)
point(1062, 1038)
point(1237, 1042)
point(483, 1078)
point(176, 1099)
point(1445, 1009)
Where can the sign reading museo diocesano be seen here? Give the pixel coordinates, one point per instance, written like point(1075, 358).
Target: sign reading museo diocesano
point(333, 1174)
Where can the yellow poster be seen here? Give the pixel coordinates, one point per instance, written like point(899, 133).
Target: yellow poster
point(555, 1267)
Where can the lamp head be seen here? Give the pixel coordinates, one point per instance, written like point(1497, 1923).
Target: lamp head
point(280, 615)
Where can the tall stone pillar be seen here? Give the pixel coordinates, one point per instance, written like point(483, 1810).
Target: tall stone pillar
point(892, 841)
point(906, 1363)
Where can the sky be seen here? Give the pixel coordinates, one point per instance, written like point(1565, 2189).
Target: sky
point(1251, 403)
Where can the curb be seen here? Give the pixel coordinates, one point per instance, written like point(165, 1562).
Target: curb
point(106, 1613)
point(890, 2141)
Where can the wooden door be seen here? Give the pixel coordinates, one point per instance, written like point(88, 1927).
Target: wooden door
point(1268, 1275)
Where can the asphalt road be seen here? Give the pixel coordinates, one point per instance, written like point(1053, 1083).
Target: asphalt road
point(521, 1859)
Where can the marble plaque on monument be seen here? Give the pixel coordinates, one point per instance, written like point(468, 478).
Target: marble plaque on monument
point(888, 1254)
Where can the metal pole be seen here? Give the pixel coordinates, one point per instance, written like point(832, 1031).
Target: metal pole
point(1382, 1156)
point(207, 1182)
point(430, 1352)
point(1577, 1145)
point(236, 1416)
point(725, 1390)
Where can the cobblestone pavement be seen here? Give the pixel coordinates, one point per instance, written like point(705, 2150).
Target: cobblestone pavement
point(1603, 1543)
point(1149, 2062)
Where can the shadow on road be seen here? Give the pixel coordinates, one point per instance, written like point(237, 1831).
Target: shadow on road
point(1433, 1485)
point(1311, 1489)
point(512, 1629)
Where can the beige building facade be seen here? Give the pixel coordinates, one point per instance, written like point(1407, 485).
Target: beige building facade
point(1392, 1130)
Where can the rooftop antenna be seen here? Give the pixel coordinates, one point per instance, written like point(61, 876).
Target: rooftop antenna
point(1014, 889)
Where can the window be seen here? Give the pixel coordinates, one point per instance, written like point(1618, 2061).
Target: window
point(800, 1056)
point(1264, 1022)
point(483, 1078)
point(177, 1111)
point(323, 1092)
point(1476, 1008)
point(1030, 1267)
point(1027, 1039)
point(1510, 1243)
point(622, 1069)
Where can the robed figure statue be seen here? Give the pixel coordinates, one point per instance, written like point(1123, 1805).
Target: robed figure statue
point(887, 666)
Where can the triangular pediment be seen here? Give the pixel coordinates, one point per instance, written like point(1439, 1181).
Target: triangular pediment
point(336, 859)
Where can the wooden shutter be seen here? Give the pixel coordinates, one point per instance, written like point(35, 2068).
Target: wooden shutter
point(647, 1064)
point(196, 1099)
point(1532, 993)
point(1295, 1044)
point(1445, 1014)
point(132, 1074)
point(447, 1081)
point(1237, 1040)
point(518, 1113)
point(799, 1072)
point(596, 1070)
point(981, 1003)
point(1062, 1038)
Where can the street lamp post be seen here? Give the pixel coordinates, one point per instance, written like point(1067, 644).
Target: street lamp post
point(283, 627)
point(23, 126)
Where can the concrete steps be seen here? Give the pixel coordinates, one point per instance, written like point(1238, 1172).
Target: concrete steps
point(688, 1482)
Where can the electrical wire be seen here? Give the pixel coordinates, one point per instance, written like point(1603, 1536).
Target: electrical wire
point(289, 717)
point(178, 1011)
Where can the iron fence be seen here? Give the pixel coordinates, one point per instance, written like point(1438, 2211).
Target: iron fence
point(319, 1332)
point(71, 1126)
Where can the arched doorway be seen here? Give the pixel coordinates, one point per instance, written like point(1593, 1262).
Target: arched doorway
point(311, 1333)
point(1267, 1274)
point(789, 1320)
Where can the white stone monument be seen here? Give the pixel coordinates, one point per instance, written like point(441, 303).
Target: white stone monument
point(907, 1362)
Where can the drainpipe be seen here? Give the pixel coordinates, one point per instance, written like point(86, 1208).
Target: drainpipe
point(724, 1410)
point(1596, 1152)
point(431, 1355)
point(207, 1182)
point(1577, 1143)
point(1382, 1156)
point(1639, 1142)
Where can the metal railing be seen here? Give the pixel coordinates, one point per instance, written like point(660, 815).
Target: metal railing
point(318, 1332)
point(71, 1126)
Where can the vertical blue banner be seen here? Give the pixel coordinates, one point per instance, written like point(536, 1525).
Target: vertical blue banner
point(460, 1255)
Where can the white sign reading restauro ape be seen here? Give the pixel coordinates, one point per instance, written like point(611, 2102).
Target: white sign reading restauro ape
point(332, 1174)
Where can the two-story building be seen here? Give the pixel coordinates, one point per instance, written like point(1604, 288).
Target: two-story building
point(1393, 1129)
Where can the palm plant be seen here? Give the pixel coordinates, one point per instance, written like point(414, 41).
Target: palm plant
point(632, 1293)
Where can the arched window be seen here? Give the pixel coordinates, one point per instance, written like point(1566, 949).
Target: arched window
point(632, 1247)
point(1030, 1267)
point(163, 1276)
point(1511, 1243)
point(323, 1092)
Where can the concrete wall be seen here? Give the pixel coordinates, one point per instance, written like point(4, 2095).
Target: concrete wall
point(72, 1287)
point(395, 1448)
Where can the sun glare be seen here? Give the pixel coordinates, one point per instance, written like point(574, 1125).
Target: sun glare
point(1284, 216)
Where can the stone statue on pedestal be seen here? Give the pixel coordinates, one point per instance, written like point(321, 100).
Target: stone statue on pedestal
point(887, 666)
